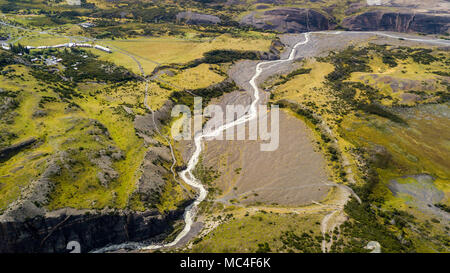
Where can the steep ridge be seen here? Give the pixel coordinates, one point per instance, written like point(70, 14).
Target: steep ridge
point(289, 20)
point(399, 22)
point(51, 233)
point(296, 20)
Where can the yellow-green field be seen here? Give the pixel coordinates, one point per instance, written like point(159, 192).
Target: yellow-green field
point(200, 76)
point(167, 50)
point(408, 75)
point(43, 40)
point(308, 88)
point(418, 148)
point(59, 130)
point(245, 233)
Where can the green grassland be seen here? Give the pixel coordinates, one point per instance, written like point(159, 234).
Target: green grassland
point(263, 232)
point(63, 127)
point(386, 106)
point(74, 125)
point(200, 76)
point(43, 40)
point(82, 111)
point(382, 136)
point(419, 148)
point(167, 50)
point(366, 80)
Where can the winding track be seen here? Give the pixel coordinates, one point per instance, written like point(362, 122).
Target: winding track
point(144, 76)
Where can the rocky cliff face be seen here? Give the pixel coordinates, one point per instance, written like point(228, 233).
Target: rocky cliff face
point(52, 233)
point(399, 21)
point(295, 20)
point(197, 18)
point(8, 152)
point(289, 20)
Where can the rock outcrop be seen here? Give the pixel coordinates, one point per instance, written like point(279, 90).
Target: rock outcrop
point(144, 124)
point(7, 104)
point(8, 152)
point(289, 20)
point(274, 51)
point(399, 22)
point(104, 160)
point(296, 20)
point(197, 18)
point(51, 233)
point(152, 182)
point(35, 196)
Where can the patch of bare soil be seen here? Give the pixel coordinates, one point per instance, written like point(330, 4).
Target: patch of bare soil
point(293, 174)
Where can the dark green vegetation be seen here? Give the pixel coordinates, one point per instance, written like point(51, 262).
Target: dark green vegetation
point(81, 65)
point(444, 207)
point(365, 226)
point(302, 111)
point(387, 139)
point(379, 110)
point(285, 79)
point(305, 243)
point(347, 62)
point(226, 56)
point(221, 56)
point(8, 152)
point(6, 58)
point(391, 56)
point(215, 91)
point(207, 175)
point(16, 49)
